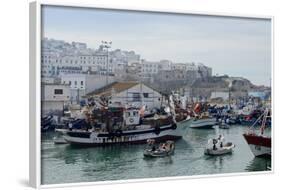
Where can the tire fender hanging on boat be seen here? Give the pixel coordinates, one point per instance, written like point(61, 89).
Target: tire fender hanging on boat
point(174, 126)
point(118, 133)
point(157, 130)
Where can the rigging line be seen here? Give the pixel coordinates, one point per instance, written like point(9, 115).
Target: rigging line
point(256, 121)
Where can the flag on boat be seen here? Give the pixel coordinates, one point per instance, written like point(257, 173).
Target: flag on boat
point(141, 111)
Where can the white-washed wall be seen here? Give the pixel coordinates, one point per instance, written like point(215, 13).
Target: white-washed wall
point(129, 97)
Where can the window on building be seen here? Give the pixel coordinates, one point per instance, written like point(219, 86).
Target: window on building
point(75, 82)
point(82, 83)
point(145, 95)
point(58, 91)
point(136, 97)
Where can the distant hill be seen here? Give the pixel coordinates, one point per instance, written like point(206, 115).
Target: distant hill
point(238, 86)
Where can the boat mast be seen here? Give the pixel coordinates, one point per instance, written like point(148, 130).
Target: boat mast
point(229, 87)
point(172, 107)
point(264, 121)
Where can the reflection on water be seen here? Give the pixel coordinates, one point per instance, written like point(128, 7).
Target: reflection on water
point(259, 164)
point(64, 163)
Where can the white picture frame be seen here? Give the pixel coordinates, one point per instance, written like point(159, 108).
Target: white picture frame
point(35, 94)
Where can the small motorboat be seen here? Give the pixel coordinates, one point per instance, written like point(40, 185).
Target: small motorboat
point(216, 147)
point(203, 121)
point(223, 126)
point(164, 149)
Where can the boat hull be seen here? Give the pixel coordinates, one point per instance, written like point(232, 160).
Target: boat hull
point(78, 142)
point(259, 145)
point(128, 137)
point(155, 154)
point(203, 123)
point(218, 152)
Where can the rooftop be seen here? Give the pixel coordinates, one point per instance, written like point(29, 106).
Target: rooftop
point(116, 86)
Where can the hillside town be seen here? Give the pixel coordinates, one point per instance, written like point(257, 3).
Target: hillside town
point(72, 73)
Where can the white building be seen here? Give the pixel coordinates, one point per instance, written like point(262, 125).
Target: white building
point(149, 68)
point(54, 97)
point(79, 45)
point(220, 94)
point(55, 65)
point(165, 65)
point(125, 57)
point(81, 84)
point(130, 93)
point(185, 66)
point(59, 57)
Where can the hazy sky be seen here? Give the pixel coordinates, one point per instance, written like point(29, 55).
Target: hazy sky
point(233, 46)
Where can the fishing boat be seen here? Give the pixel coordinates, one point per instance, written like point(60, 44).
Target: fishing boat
point(131, 129)
point(165, 149)
point(47, 123)
point(183, 112)
point(202, 119)
point(216, 147)
point(203, 122)
point(260, 144)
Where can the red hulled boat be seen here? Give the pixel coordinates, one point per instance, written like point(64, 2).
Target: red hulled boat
point(259, 144)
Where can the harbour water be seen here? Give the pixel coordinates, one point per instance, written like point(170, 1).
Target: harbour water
point(66, 164)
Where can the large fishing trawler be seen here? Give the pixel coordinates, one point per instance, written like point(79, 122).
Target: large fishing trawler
point(133, 128)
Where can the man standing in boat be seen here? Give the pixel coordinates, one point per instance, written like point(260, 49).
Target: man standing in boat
point(220, 140)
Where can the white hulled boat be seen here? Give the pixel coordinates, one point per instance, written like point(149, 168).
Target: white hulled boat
point(204, 121)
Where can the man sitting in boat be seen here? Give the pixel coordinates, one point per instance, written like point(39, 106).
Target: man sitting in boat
point(165, 147)
point(151, 143)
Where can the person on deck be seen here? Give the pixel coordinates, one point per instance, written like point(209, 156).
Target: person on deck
point(214, 144)
point(220, 139)
point(70, 126)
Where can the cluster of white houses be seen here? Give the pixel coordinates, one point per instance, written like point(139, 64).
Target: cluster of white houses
point(59, 57)
point(71, 71)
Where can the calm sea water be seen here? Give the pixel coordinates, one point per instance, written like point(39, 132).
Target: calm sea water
point(65, 164)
